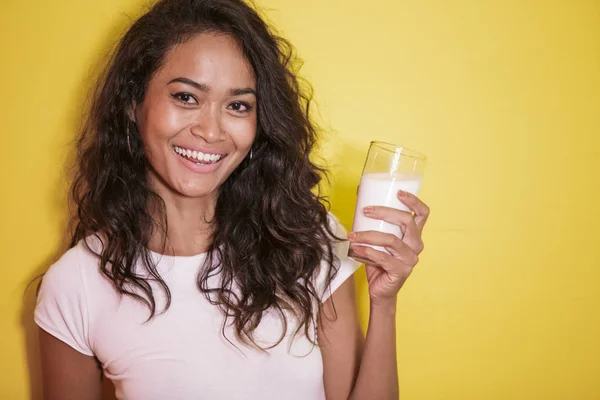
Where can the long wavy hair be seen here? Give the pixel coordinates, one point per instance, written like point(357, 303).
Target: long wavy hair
point(272, 230)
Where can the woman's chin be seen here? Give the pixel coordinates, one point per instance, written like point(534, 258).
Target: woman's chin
point(196, 192)
point(188, 187)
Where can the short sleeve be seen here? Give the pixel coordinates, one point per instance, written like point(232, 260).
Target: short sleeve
point(62, 303)
point(345, 265)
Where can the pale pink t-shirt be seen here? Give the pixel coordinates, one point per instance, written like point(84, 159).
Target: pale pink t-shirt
point(182, 353)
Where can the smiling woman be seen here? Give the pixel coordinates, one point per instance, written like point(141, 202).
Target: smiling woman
point(202, 101)
point(203, 264)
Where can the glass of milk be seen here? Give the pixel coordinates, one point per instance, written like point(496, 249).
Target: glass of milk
point(388, 169)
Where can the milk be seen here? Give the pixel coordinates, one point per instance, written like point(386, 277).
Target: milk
point(380, 189)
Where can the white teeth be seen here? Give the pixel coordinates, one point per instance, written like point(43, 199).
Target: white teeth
point(198, 155)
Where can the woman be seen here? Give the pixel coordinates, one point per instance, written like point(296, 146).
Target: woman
point(203, 266)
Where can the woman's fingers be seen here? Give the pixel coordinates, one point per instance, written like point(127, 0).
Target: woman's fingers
point(389, 214)
point(420, 209)
point(398, 248)
point(406, 222)
point(395, 266)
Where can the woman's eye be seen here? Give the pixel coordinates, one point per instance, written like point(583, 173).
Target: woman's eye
point(239, 107)
point(185, 98)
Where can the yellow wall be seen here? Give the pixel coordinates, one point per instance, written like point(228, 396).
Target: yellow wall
point(502, 95)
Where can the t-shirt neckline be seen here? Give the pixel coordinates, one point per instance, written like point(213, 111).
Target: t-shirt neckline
point(184, 259)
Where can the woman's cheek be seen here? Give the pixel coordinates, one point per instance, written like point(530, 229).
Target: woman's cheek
point(242, 130)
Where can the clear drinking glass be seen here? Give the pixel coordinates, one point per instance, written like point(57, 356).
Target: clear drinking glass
point(388, 169)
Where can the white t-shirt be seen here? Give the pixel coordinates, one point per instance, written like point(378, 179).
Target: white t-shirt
point(180, 354)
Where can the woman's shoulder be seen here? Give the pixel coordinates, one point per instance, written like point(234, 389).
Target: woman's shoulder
point(343, 266)
point(336, 226)
point(341, 244)
point(64, 295)
point(83, 258)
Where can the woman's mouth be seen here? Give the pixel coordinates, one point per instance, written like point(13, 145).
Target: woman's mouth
point(198, 157)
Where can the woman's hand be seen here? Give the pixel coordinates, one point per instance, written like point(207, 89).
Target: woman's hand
point(388, 272)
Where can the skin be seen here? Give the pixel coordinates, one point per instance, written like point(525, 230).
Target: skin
point(370, 367)
point(207, 115)
point(203, 98)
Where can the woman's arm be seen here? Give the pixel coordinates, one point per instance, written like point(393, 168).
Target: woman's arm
point(350, 372)
point(66, 373)
point(378, 375)
point(341, 341)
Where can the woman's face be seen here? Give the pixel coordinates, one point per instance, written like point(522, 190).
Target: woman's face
point(198, 117)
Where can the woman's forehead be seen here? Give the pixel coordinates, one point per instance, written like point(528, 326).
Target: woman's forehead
point(214, 59)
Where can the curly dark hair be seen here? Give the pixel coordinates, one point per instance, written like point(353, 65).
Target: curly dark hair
point(272, 229)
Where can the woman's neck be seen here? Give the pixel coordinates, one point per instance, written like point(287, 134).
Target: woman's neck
point(190, 224)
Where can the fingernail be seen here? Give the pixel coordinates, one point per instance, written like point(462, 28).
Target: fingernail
point(401, 193)
point(351, 235)
point(368, 210)
point(357, 249)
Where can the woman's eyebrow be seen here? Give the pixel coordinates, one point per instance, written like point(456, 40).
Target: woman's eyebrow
point(203, 87)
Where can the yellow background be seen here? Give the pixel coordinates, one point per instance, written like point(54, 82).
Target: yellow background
point(502, 95)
